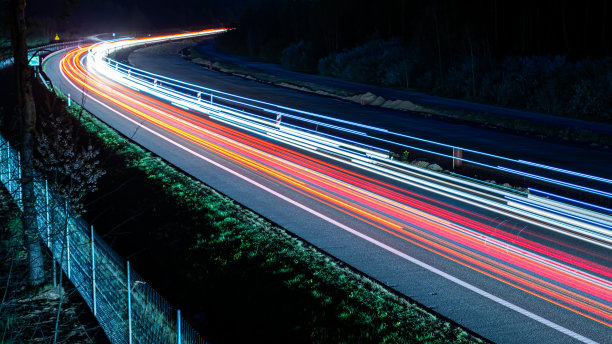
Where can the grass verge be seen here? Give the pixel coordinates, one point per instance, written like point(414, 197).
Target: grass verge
point(237, 276)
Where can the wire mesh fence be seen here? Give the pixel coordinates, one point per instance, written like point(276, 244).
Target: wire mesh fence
point(127, 308)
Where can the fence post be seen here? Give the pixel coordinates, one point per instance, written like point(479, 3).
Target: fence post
point(93, 271)
point(50, 242)
point(47, 217)
point(8, 167)
point(67, 239)
point(19, 188)
point(129, 290)
point(53, 255)
point(178, 321)
point(2, 159)
point(19, 165)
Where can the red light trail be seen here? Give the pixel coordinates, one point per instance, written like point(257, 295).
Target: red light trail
point(477, 241)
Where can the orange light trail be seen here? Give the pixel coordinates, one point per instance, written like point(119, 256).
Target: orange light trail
point(475, 241)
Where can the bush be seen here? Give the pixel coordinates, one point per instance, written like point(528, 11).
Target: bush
point(299, 57)
point(547, 84)
point(378, 62)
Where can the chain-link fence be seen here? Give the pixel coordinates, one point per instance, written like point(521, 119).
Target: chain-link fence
point(128, 309)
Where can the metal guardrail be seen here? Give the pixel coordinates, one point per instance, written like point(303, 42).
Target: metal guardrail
point(127, 308)
point(327, 133)
point(372, 148)
point(47, 47)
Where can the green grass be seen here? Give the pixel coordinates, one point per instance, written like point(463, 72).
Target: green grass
point(318, 297)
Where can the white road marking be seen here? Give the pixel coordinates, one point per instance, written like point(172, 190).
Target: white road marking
point(388, 248)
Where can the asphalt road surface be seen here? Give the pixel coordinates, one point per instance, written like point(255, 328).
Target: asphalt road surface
point(207, 47)
point(503, 277)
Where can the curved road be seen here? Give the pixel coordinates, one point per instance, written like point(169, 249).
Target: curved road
point(208, 49)
point(503, 277)
point(164, 60)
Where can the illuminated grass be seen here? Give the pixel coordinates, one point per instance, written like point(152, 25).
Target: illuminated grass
point(259, 279)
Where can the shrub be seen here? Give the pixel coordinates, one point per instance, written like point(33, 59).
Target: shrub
point(299, 56)
point(378, 62)
point(547, 84)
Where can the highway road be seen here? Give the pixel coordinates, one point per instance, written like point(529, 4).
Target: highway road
point(502, 274)
point(164, 60)
point(207, 47)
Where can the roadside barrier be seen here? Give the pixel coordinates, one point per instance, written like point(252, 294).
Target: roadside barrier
point(127, 308)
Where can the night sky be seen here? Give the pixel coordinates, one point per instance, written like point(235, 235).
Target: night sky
point(573, 28)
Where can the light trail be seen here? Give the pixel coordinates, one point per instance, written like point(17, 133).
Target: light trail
point(364, 155)
point(122, 71)
point(524, 258)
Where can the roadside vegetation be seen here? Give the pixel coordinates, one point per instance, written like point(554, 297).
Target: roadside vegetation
point(53, 309)
point(238, 277)
point(545, 84)
point(515, 125)
point(29, 314)
point(555, 66)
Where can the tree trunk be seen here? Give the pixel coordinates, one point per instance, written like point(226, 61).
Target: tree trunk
point(27, 111)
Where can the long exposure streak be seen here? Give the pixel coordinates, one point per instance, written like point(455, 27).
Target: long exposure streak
point(519, 256)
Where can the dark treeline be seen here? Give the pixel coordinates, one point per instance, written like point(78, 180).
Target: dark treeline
point(81, 17)
point(576, 29)
point(544, 56)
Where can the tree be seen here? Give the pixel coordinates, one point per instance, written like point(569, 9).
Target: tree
point(68, 160)
point(27, 113)
point(65, 154)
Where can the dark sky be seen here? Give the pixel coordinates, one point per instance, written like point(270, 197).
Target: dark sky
point(522, 27)
point(132, 15)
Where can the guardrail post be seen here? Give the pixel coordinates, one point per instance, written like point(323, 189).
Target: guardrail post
point(129, 290)
point(278, 119)
point(211, 98)
point(178, 322)
point(457, 156)
point(69, 101)
point(93, 272)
